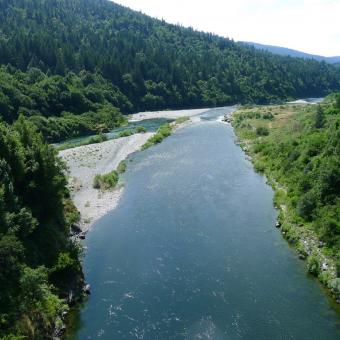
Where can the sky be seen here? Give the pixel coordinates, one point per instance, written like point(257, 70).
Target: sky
point(311, 26)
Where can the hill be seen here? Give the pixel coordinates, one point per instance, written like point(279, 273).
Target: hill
point(144, 64)
point(293, 53)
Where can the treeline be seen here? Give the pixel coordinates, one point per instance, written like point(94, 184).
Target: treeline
point(154, 64)
point(39, 264)
point(301, 151)
point(61, 106)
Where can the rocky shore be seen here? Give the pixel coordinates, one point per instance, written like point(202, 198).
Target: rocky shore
point(84, 163)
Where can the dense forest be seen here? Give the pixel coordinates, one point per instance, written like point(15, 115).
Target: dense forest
point(39, 263)
point(61, 107)
point(84, 46)
point(299, 149)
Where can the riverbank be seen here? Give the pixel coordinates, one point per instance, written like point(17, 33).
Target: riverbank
point(84, 162)
point(175, 114)
point(286, 166)
point(87, 161)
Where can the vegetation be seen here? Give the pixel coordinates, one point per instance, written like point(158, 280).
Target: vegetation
point(300, 154)
point(60, 107)
point(109, 181)
point(141, 129)
point(163, 132)
point(181, 120)
point(126, 133)
point(121, 167)
point(39, 264)
point(74, 65)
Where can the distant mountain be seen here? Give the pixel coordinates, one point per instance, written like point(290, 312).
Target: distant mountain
point(293, 53)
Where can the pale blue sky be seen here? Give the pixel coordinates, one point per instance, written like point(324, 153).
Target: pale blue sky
point(311, 26)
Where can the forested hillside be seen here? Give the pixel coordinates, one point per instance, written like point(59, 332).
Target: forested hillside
point(146, 63)
point(61, 107)
point(39, 264)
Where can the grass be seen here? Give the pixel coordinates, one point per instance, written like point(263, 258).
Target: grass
point(121, 167)
point(91, 140)
point(163, 132)
point(182, 120)
point(126, 133)
point(107, 181)
point(287, 146)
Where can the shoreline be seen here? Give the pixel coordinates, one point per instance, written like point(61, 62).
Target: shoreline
point(84, 162)
point(303, 240)
point(171, 114)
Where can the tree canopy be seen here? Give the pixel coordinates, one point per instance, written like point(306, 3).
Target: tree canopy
point(145, 63)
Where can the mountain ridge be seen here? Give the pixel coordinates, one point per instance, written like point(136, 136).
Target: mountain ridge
point(285, 51)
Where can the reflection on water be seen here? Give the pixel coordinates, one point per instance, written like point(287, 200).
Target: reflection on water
point(191, 252)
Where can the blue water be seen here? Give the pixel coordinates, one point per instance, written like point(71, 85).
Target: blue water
point(191, 252)
point(150, 125)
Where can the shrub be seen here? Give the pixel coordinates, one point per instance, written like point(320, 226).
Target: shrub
point(141, 129)
point(262, 131)
point(121, 167)
point(163, 132)
point(268, 115)
point(181, 120)
point(125, 133)
point(313, 264)
point(306, 205)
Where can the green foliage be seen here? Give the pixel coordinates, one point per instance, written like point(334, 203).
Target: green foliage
point(337, 102)
point(141, 129)
point(107, 181)
point(302, 154)
point(61, 107)
point(319, 117)
point(313, 264)
point(148, 65)
point(262, 131)
point(125, 133)
point(121, 167)
point(268, 115)
point(35, 219)
point(163, 132)
point(181, 120)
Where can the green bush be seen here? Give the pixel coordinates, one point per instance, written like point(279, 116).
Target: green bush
point(106, 181)
point(262, 131)
point(141, 129)
point(268, 115)
point(125, 133)
point(181, 120)
point(313, 264)
point(121, 167)
point(163, 132)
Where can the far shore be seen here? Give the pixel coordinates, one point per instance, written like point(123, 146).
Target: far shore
point(136, 117)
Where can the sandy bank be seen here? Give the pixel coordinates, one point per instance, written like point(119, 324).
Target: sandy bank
point(166, 114)
point(84, 162)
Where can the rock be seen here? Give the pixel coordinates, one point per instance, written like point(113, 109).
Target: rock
point(87, 289)
point(70, 297)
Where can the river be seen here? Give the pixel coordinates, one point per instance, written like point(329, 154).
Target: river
point(191, 251)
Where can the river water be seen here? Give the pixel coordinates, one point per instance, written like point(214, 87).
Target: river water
point(191, 252)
